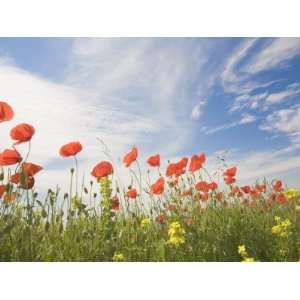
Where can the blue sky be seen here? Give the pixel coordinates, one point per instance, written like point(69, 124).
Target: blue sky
point(237, 97)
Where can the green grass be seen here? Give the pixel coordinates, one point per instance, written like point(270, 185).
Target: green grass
point(33, 230)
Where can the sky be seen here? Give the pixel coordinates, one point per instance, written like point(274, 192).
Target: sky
point(237, 98)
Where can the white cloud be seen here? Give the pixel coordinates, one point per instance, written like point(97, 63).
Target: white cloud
point(125, 91)
point(284, 121)
point(245, 119)
point(197, 110)
point(291, 91)
point(246, 100)
point(274, 55)
point(242, 67)
point(60, 114)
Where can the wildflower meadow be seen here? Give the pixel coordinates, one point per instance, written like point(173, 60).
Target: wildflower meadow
point(184, 215)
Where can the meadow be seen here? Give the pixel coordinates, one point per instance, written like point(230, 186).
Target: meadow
point(184, 215)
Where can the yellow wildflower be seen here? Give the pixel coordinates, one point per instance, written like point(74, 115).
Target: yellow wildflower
point(176, 240)
point(175, 229)
point(242, 250)
point(118, 257)
point(145, 222)
point(248, 259)
point(243, 253)
point(176, 234)
point(291, 193)
point(276, 229)
point(282, 228)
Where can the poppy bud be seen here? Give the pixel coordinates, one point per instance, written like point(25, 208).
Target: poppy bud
point(1, 176)
point(72, 170)
point(44, 213)
point(95, 195)
point(85, 190)
point(35, 195)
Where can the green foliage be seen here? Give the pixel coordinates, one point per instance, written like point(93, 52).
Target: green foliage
point(43, 232)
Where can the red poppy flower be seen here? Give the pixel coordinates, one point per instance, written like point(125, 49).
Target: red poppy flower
point(182, 163)
point(27, 182)
point(70, 149)
point(189, 222)
point(280, 198)
point(246, 189)
point(30, 168)
point(196, 162)
point(171, 169)
point(229, 180)
point(203, 196)
point(22, 133)
point(9, 157)
point(235, 190)
point(154, 161)
point(6, 112)
point(15, 178)
point(115, 203)
point(219, 196)
point(161, 219)
point(261, 188)
point(130, 157)
point(23, 181)
point(202, 186)
point(8, 198)
point(178, 168)
point(158, 187)
point(187, 192)
point(277, 185)
point(231, 172)
point(102, 169)
point(132, 194)
point(255, 194)
point(2, 190)
point(213, 186)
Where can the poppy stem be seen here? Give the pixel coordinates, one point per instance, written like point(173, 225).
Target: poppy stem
point(28, 152)
point(76, 175)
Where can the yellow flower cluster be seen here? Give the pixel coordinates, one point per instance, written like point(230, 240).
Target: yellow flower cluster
point(282, 228)
point(176, 234)
point(243, 253)
point(291, 193)
point(118, 257)
point(145, 223)
point(242, 250)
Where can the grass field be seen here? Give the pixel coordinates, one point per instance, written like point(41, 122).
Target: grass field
point(183, 216)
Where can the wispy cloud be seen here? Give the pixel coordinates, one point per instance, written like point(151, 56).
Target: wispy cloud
point(274, 55)
point(125, 91)
point(291, 91)
point(197, 110)
point(245, 119)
